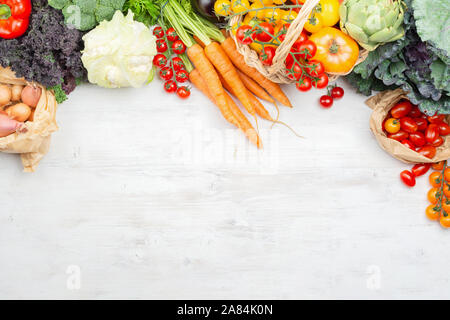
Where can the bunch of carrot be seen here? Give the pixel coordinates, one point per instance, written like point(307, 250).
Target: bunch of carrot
point(219, 68)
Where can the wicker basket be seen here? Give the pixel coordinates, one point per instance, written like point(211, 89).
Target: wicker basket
point(34, 142)
point(276, 72)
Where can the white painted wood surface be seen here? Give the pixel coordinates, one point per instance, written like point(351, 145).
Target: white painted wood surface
point(136, 196)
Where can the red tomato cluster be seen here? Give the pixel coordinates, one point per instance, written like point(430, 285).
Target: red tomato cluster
point(171, 70)
point(417, 131)
point(334, 92)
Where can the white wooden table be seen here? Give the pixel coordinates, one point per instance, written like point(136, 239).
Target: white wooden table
point(144, 196)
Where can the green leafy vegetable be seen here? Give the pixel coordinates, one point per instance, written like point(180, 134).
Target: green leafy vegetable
point(84, 15)
point(145, 11)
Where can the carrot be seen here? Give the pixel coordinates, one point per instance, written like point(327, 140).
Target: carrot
point(219, 58)
point(206, 70)
point(199, 83)
point(233, 114)
point(255, 88)
point(259, 108)
point(200, 42)
point(274, 89)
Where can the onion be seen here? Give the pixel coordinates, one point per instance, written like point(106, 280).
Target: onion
point(19, 112)
point(16, 91)
point(8, 126)
point(30, 95)
point(5, 94)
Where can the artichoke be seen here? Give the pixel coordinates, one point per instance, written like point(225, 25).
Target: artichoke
point(372, 22)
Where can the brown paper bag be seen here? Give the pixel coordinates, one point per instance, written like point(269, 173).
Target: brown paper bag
point(35, 142)
point(381, 105)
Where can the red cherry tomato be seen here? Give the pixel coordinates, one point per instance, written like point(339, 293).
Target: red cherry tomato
point(436, 118)
point(408, 124)
point(158, 32)
point(420, 169)
point(281, 35)
point(295, 71)
point(304, 84)
point(444, 129)
point(159, 60)
point(401, 109)
point(438, 142)
point(399, 136)
point(432, 132)
point(326, 101)
point(315, 68)
point(170, 86)
point(178, 47)
point(306, 49)
point(408, 144)
point(264, 31)
point(183, 92)
point(421, 123)
point(427, 151)
point(337, 92)
point(177, 63)
point(266, 55)
point(408, 178)
point(302, 38)
point(171, 35)
point(245, 34)
point(417, 138)
point(415, 112)
point(322, 82)
point(166, 73)
point(182, 76)
point(161, 45)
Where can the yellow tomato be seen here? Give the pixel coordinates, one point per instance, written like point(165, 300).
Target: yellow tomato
point(258, 10)
point(288, 16)
point(336, 50)
point(279, 1)
point(273, 15)
point(251, 21)
point(264, 2)
point(234, 28)
point(314, 23)
point(329, 13)
point(222, 7)
point(239, 6)
point(256, 46)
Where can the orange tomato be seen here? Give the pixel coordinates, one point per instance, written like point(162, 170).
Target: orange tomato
point(445, 221)
point(438, 165)
point(392, 125)
point(446, 205)
point(447, 174)
point(447, 190)
point(435, 179)
point(336, 50)
point(432, 195)
point(431, 213)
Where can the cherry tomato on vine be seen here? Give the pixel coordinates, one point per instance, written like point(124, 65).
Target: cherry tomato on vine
point(435, 179)
point(171, 35)
point(417, 138)
point(158, 32)
point(427, 151)
point(159, 60)
point(337, 92)
point(182, 76)
point(294, 71)
point(306, 49)
point(245, 35)
point(445, 221)
point(183, 92)
point(438, 165)
point(408, 178)
point(303, 84)
point(322, 82)
point(392, 125)
point(281, 34)
point(421, 123)
point(177, 63)
point(447, 175)
point(170, 86)
point(401, 109)
point(420, 169)
point(178, 47)
point(408, 124)
point(447, 190)
point(166, 73)
point(446, 205)
point(264, 32)
point(431, 213)
point(431, 195)
point(266, 55)
point(408, 144)
point(326, 101)
point(432, 132)
point(444, 129)
point(314, 68)
point(399, 136)
point(161, 45)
